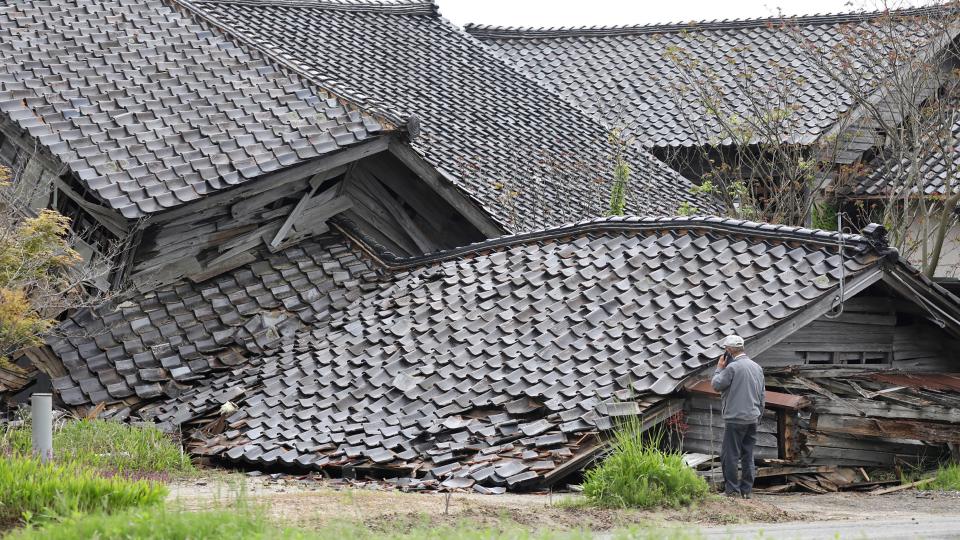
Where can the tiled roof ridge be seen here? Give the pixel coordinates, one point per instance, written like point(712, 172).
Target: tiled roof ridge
point(399, 7)
point(874, 237)
point(406, 121)
point(487, 31)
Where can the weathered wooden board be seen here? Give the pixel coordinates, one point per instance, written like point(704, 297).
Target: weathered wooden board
point(886, 428)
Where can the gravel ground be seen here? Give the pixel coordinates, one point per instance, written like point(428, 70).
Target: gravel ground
point(312, 503)
point(901, 504)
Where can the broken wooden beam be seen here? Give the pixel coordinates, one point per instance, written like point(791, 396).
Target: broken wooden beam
point(902, 487)
point(774, 399)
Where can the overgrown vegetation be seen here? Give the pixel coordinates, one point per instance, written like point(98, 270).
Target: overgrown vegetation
point(946, 479)
point(31, 491)
point(638, 473)
point(34, 257)
point(159, 523)
point(106, 446)
point(897, 89)
point(41, 275)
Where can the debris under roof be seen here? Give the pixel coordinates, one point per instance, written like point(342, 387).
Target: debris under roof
point(501, 363)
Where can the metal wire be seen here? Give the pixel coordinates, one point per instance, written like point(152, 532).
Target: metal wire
point(837, 308)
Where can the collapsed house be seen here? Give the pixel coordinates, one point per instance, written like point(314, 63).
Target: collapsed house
point(505, 363)
point(315, 280)
point(182, 149)
point(159, 126)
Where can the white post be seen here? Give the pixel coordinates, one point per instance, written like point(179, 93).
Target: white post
point(41, 415)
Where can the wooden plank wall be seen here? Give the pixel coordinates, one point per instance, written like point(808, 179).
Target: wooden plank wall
point(704, 437)
point(872, 332)
point(169, 251)
point(34, 176)
point(836, 448)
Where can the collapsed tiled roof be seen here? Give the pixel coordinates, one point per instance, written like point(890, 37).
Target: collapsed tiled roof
point(649, 78)
point(150, 109)
point(491, 363)
point(145, 347)
point(527, 156)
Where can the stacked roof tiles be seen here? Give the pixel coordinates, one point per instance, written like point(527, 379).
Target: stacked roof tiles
point(149, 346)
point(491, 364)
point(151, 109)
point(652, 79)
point(527, 156)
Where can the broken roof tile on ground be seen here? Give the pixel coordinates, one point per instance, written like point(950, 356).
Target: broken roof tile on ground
point(495, 363)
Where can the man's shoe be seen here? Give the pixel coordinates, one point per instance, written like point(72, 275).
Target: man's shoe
point(732, 494)
point(745, 495)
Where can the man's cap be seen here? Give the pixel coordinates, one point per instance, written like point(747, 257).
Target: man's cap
point(732, 341)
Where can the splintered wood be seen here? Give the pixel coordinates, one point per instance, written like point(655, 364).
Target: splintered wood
point(853, 425)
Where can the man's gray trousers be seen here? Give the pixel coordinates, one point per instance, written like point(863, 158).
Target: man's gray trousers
point(738, 443)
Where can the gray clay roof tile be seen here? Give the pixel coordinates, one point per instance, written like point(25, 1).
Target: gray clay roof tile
point(139, 101)
point(527, 156)
point(648, 78)
point(390, 392)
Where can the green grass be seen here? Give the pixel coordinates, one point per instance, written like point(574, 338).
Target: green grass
point(637, 473)
point(946, 479)
point(33, 491)
point(249, 524)
point(106, 445)
point(242, 520)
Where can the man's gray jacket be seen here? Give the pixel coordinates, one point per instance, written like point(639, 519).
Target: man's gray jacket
point(742, 389)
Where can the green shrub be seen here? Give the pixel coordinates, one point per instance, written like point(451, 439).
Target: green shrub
point(108, 445)
point(637, 473)
point(947, 479)
point(30, 490)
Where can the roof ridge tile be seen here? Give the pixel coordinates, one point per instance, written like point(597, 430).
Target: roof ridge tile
point(490, 31)
point(399, 7)
point(872, 239)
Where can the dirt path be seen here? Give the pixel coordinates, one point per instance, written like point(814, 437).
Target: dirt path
point(839, 506)
point(315, 503)
point(931, 528)
point(312, 503)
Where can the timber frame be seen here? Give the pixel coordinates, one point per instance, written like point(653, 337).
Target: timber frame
point(381, 185)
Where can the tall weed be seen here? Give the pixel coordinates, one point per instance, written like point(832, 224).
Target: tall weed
point(107, 445)
point(31, 491)
point(946, 479)
point(638, 473)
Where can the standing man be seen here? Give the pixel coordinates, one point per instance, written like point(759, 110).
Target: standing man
point(740, 383)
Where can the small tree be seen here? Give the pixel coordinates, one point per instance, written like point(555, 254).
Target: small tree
point(912, 114)
point(887, 79)
point(41, 275)
point(744, 119)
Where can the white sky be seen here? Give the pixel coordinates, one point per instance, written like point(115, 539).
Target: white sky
point(618, 12)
